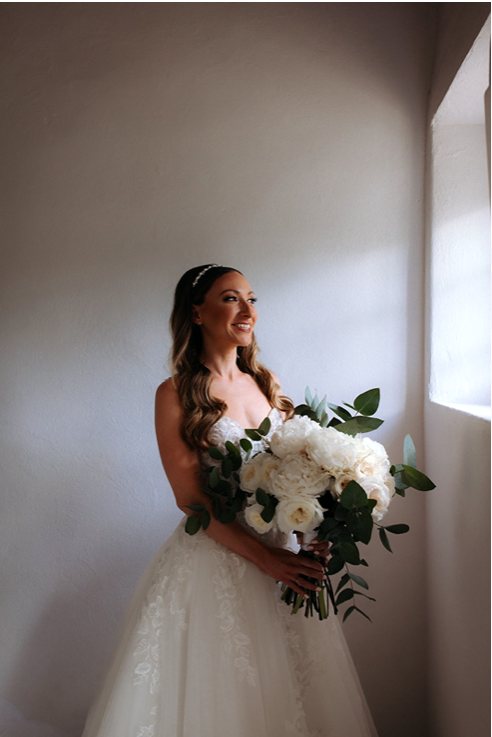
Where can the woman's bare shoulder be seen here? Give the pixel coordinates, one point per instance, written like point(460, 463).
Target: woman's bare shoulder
point(166, 396)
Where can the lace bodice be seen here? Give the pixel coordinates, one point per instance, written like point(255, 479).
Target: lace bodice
point(228, 429)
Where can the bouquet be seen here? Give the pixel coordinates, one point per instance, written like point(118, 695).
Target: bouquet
point(318, 477)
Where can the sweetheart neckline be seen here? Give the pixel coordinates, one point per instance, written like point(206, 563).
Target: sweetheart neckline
point(226, 417)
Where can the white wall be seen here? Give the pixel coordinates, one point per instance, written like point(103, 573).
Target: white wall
point(140, 140)
point(457, 444)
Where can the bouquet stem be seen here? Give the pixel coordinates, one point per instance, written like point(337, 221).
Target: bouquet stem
point(315, 601)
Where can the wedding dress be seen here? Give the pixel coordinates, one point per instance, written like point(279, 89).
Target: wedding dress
point(209, 650)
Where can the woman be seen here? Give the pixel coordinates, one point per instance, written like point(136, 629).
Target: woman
point(208, 650)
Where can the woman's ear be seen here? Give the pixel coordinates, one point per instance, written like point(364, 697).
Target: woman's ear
point(196, 317)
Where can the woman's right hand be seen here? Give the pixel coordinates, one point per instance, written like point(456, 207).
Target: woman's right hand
point(292, 569)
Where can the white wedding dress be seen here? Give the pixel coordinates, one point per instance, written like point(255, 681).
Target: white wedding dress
point(209, 650)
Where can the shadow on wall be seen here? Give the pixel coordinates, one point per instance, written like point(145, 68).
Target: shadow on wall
point(14, 724)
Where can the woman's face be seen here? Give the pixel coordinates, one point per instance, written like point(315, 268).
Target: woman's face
point(228, 315)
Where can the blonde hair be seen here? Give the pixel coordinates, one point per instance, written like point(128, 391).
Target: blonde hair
point(191, 378)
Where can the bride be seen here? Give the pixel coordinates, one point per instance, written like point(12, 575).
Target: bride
point(207, 648)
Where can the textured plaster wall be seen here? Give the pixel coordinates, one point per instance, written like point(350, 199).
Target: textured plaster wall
point(457, 445)
point(138, 140)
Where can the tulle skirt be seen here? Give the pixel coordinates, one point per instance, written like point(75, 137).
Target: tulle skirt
point(209, 650)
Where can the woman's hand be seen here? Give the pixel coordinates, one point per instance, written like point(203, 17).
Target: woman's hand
point(292, 569)
point(320, 548)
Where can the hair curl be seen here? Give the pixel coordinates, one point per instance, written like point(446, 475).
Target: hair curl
point(191, 378)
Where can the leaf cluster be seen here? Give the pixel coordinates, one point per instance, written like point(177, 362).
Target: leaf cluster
point(226, 496)
point(365, 406)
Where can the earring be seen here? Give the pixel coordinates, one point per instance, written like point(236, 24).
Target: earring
point(198, 322)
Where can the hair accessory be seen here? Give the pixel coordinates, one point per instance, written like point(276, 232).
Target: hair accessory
point(212, 266)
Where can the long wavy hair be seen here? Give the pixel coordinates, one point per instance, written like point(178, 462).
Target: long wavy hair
point(191, 378)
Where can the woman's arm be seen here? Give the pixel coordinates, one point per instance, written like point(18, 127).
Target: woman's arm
point(182, 467)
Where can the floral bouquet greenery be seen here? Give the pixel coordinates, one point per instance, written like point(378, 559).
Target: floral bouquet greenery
point(318, 477)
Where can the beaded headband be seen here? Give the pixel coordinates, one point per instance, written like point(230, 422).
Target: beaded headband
point(202, 272)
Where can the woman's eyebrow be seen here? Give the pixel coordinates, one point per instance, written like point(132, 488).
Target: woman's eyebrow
point(236, 291)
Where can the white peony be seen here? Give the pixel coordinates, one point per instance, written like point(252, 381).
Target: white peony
point(376, 489)
point(292, 437)
point(254, 519)
point(300, 514)
point(297, 476)
point(372, 458)
point(332, 450)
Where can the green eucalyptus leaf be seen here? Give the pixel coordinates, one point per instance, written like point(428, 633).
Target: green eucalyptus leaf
point(315, 402)
point(263, 498)
point(363, 613)
point(192, 525)
point(223, 488)
point(236, 505)
point(358, 580)
point(364, 526)
point(384, 539)
point(324, 420)
point(359, 424)
point(364, 563)
point(348, 612)
point(196, 507)
point(344, 595)
point(303, 410)
point(265, 426)
point(343, 581)
point(236, 462)
point(246, 444)
point(335, 564)
point(268, 513)
point(217, 507)
point(349, 552)
point(328, 524)
point(320, 408)
point(368, 402)
point(340, 411)
point(205, 519)
point(397, 529)
point(417, 479)
point(400, 492)
point(353, 496)
point(253, 434)
point(233, 450)
point(308, 397)
point(341, 513)
point(226, 467)
point(227, 516)
point(334, 422)
point(351, 406)
point(409, 454)
point(361, 593)
point(216, 454)
point(214, 478)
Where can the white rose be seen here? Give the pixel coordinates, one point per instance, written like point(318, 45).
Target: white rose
point(297, 476)
point(268, 467)
point(300, 514)
point(292, 436)
point(376, 489)
point(332, 450)
point(250, 474)
point(254, 519)
point(341, 480)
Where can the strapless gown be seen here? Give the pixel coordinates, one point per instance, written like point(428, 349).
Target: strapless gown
point(207, 649)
